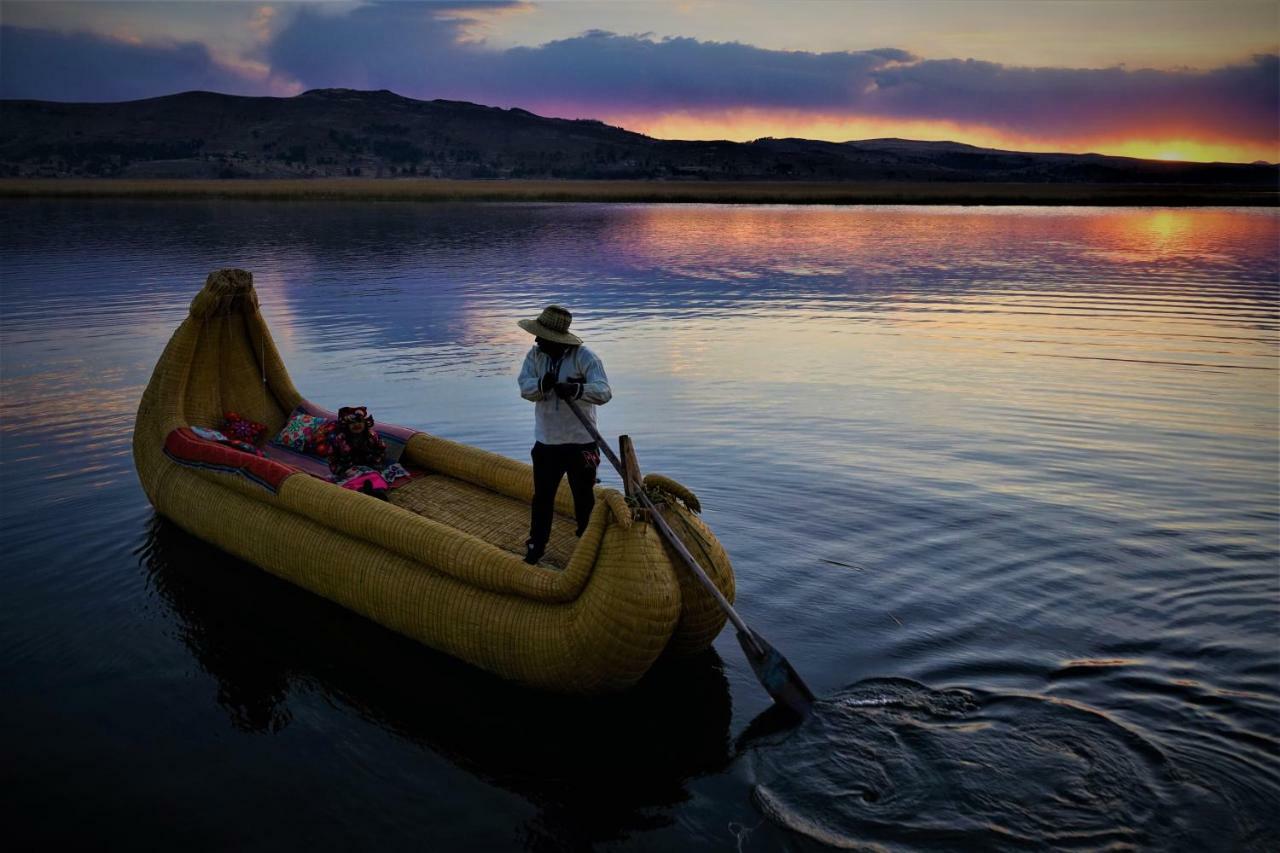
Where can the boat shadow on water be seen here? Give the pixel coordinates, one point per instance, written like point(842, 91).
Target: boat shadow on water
point(263, 639)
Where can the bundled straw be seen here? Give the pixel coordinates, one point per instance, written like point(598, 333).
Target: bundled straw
point(438, 563)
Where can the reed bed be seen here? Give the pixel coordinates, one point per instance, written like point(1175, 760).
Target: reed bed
point(706, 192)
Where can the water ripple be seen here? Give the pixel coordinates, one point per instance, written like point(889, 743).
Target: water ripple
point(1029, 453)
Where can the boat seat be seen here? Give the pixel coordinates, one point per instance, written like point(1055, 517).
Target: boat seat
point(497, 519)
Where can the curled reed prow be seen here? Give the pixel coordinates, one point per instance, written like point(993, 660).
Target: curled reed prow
point(668, 486)
point(225, 291)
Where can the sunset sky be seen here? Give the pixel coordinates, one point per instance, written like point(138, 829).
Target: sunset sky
point(1175, 80)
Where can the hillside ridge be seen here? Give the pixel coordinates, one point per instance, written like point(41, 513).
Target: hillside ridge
point(350, 132)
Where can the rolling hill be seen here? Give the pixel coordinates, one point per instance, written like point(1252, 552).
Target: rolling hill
point(345, 132)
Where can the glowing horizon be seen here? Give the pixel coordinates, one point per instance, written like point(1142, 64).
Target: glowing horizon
point(749, 125)
point(1189, 80)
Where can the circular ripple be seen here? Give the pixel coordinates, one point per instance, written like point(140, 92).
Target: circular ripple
point(892, 761)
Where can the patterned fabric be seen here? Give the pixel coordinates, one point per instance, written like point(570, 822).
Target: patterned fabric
point(222, 438)
point(245, 447)
point(394, 437)
point(243, 429)
point(349, 452)
point(372, 479)
point(305, 462)
point(299, 433)
point(189, 446)
point(391, 473)
point(209, 434)
point(322, 441)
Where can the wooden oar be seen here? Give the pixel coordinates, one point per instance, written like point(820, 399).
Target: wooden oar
point(773, 671)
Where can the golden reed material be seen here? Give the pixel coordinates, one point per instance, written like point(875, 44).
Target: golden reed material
point(441, 562)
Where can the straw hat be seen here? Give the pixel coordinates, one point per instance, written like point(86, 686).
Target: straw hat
point(552, 325)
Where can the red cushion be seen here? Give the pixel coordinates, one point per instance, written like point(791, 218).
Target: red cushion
point(186, 448)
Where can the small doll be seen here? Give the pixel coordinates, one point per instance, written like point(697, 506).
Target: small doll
point(357, 454)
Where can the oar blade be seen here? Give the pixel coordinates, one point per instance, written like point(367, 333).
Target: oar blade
point(776, 674)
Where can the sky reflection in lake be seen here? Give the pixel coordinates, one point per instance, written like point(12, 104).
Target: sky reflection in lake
point(977, 448)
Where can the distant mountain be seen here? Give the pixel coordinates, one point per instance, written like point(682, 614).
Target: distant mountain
point(344, 132)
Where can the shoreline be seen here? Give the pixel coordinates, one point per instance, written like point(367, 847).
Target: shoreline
point(618, 192)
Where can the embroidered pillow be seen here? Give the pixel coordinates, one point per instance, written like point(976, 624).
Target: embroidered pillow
point(322, 440)
point(242, 429)
point(299, 431)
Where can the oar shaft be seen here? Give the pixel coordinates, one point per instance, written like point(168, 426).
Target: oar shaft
point(665, 529)
point(693, 565)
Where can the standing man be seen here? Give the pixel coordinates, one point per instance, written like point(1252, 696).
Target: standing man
point(559, 368)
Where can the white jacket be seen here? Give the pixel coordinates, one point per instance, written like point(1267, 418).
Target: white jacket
point(553, 422)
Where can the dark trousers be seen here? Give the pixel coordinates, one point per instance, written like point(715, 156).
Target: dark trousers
point(550, 463)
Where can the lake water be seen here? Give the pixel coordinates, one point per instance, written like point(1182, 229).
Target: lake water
point(1001, 483)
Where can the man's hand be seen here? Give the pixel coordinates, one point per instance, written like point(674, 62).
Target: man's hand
point(548, 382)
point(568, 390)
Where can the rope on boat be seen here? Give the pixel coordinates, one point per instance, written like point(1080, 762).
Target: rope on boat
point(660, 484)
point(664, 490)
point(262, 365)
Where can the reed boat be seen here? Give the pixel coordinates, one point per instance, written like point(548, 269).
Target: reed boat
point(441, 560)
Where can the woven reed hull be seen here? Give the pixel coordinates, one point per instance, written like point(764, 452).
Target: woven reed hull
point(597, 626)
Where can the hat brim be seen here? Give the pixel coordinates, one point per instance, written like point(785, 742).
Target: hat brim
point(533, 327)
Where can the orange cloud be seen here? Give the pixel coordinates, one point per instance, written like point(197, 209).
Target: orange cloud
point(474, 23)
point(262, 23)
point(742, 125)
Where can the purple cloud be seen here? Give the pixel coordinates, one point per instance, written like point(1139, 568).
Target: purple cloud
point(46, 65)
point(636, 72)
point(410, 48)
point(420, 51)
point(428, 51)
point(1243, 99)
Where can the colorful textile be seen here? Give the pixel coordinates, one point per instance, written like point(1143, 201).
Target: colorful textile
point(304, 462)
point(322, 440)
point(394, 437)
point(222, 438)
point(300, 431)
point(350, 450)
point(210, 434)
point(389, 475)
point(373, 479)
point(394, 474)
point(243, 429)
point(188, 447)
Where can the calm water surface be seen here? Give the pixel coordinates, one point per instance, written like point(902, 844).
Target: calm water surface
point(1001, 483)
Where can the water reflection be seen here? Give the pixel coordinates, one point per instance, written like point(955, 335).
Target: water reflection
point(596, 769)
point(1045, 438)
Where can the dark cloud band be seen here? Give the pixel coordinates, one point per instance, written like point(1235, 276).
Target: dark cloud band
point(423, 51)
point(47, 65)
